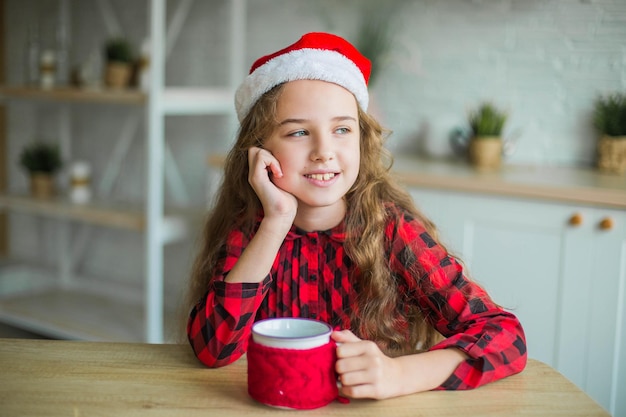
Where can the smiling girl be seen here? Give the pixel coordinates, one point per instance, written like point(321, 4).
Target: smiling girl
point(309, 223)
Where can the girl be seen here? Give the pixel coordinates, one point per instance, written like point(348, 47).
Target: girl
point(309, 223)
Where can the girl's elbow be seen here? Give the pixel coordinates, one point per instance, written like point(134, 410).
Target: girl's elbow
point(216, 357)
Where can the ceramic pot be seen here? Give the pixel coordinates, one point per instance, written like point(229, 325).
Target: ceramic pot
point(612, 154)
point(117, 75)
point(42, 185)
point(486, 152)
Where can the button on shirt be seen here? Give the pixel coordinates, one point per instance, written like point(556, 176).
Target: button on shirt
point(311, 277)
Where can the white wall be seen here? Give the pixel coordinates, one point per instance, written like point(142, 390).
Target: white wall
point(543, 60)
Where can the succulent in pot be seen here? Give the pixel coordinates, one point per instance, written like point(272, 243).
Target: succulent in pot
point(609, 119)
point(485, 147)
point(487, 121)
point(42, 161)
point(119, 58)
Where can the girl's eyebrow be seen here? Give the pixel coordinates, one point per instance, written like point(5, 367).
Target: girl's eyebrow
point(299, 121)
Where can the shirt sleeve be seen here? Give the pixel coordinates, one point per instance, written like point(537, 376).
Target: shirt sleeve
point(459, 309)
point(220, 323)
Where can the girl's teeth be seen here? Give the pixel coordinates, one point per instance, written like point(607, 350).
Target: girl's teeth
point(322, 177)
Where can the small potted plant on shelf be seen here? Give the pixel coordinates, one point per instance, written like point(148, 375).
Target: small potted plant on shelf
point(119, 63)
point(485, 146)
point(610, 121)
point(42, 161)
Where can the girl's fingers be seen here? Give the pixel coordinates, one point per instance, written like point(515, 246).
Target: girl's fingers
point(344, 336)
point(274, 168)
point(357, 391)
point(263, 168)
point(361, 366)
point(262, 161)
point(350, 346)
point(353, 364)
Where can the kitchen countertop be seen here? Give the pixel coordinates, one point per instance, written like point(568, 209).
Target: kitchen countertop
point(556, 183)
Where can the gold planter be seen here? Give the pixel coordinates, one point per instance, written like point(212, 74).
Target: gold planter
point(612, 154)
point(486, 152)
point(117, 75)
point(42, 185)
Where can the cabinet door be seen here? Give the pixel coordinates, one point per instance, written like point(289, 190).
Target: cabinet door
point(511, 248)
point(515, 250)
point(563, 281)
point(599, 345)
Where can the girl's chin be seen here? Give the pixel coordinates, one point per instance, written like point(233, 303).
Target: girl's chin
point(320, 203)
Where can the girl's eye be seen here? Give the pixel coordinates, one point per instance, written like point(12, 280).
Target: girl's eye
point(342, 130)
point(298, 133)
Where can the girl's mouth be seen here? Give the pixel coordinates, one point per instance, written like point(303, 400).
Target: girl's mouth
point(321, 177)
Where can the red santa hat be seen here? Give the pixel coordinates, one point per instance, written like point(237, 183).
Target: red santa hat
point(315, 56)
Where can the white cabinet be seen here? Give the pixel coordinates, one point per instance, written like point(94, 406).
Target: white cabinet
point(63, 307)
point(560, 268)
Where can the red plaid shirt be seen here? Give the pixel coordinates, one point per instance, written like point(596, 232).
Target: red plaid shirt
point(310, 278)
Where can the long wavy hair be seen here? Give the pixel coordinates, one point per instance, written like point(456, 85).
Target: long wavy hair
point(382, 316)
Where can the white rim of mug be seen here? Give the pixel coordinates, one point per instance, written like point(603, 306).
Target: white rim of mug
point(328, 330)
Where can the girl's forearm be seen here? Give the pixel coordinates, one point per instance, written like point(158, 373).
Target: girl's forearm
point(257, 259)
point(426, 371)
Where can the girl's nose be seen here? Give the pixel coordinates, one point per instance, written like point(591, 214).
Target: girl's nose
point(322, 148)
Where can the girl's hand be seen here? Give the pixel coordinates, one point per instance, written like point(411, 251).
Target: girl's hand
point(276, 203)
point(364, 370)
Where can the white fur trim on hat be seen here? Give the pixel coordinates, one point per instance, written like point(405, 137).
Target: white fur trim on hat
point(301, 64)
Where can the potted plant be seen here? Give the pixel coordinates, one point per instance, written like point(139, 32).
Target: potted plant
point(42, 161)
point(485, 146)
point(610, 121)
point(119, 63)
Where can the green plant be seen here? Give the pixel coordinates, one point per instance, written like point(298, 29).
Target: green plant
point(118, 50)
point(41, 157)
point(487, 120)
point(374, 40)
point(376, 32)
point(610, 114)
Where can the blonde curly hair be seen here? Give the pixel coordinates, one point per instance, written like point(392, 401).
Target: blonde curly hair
point(382, 316)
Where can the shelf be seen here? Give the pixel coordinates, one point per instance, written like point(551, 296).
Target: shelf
point(160, 224)
point(175, 101)
point(69, 94)
point(177, 223)
point(75, 312)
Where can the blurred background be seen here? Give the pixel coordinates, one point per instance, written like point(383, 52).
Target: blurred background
point(99, 259)
point(107, 265)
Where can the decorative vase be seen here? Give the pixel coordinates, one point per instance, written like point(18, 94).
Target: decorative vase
point(485, 152)
point(612, 154)
point(117, 75)
point(42, 185)
point(80, 179)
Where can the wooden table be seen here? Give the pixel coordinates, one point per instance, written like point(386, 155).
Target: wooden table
point(84, 379)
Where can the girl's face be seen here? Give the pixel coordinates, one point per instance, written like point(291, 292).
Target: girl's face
point(317, 143)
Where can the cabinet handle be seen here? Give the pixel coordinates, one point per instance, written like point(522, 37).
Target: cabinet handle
point(576, 219)
point(606, 223)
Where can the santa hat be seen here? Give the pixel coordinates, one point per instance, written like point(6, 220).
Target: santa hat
point(315, 56)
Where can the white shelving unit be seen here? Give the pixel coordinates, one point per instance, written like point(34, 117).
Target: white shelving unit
point(64, 307)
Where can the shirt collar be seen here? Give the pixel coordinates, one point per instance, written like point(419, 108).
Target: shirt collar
point(337, 233)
